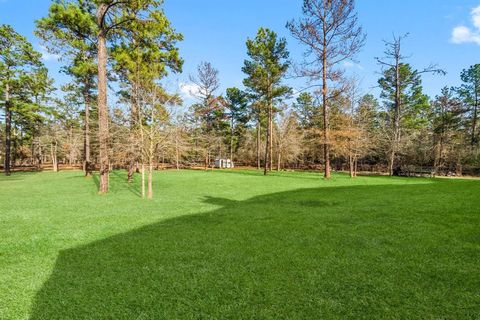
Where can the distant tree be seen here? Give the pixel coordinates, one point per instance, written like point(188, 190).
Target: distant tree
point(309, 117)
point(265, 71)
point(307, 111)
point(23, 79)
point(368, 112)
point(178, 136)
point(209, 112)
point(288, 140)
point(66, 117)
point(446, 124)
point(362, 126)
point(402, 91)
point(236, 105)
point(470, 95)
point(366, 118)
point(329, 28)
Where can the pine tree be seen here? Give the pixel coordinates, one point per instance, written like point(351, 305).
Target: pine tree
point(24, 80)
point(265, 71)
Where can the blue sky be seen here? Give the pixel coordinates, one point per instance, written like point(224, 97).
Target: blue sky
point(446, 32)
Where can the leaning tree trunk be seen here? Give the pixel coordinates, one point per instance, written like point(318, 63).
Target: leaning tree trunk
point(355, 166)
point(102, 101)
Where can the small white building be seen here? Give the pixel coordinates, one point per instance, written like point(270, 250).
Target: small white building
point(223, 163)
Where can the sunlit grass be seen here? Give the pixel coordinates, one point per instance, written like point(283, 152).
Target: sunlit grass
point(237, 245)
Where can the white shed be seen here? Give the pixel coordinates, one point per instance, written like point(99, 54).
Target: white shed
point(223, 163)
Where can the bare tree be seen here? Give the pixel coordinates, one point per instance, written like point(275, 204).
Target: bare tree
point(398, 74)
point(359, 137)
point(329, 28)
point(207, 82)
point(288, 140)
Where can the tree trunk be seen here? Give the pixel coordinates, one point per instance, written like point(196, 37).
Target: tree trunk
point(177, 152)
point(53, 153)
point(206, 159)
point(87, 168)
point(279, 160)
point(438, 157)
point(458, 168)
point(355, 166)
point(396, 120)
point(32, 150)
point(351, 166)
point(231, 138)
point(271, 138)
point(143, 181)
point(131, 171)
point(151, 157)
point(150, 177)
point(13, 161)
point(102, 101)
point(391, 159)
point(326, 136)
point(259, 139)
point(71, 155)
point(474, 120)
point(8, 129)
point(267, 144)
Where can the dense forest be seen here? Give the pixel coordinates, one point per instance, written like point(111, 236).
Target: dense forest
point(118, 112)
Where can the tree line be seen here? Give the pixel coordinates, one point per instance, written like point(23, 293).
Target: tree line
point(131, 48)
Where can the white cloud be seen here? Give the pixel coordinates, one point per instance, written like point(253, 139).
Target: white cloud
point(189, 90)
point(47, 56)
point(351, 64)
point(476, 17)
point(464, 34)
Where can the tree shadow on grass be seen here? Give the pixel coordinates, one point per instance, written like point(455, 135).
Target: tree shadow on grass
point(118, 183)
point(17, 175)
point(118, 178)
point(348, 252)
point(279, 174)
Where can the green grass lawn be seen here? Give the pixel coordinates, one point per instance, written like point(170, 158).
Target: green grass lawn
point(237, 245)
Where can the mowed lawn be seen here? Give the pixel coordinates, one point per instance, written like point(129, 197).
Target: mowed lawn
point(237, 245)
